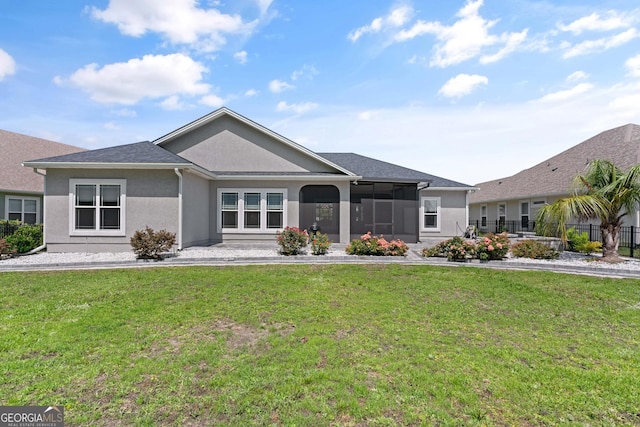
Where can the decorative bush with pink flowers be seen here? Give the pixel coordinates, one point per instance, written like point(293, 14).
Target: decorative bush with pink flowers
point(493, 246)
point(292, 240)
point(378, 246)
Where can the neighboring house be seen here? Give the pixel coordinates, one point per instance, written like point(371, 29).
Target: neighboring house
point(21, 190)
point(225, 178)
point(516, 200)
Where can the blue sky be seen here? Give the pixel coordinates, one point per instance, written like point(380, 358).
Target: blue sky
point(468, 90)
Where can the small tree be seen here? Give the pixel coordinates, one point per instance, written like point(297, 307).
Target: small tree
point(150, 244)
point(604, 192)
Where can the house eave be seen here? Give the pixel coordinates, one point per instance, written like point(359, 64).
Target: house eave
point(323, 178)
point(18, 191)
point(451, 188)
point(107, 165)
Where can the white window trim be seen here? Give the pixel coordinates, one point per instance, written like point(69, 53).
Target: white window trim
point(72, 206)
point(498, 211)
point(263, 210)
point(23, 198)
point(485, 216)
point(528, 202)
point(438, 214)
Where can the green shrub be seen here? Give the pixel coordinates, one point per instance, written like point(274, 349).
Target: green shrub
point(150, 244)
point(292, 240)
point(26, 238)
point(377, 246)
point(533, 249)
point(320, 244)
point(579, 242)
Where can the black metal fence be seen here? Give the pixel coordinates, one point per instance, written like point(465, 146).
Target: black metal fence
point(7, 229)
point(629, 235)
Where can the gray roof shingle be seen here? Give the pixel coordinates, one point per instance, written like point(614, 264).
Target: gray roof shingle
point(378, 170)
point(139, 152)
point(17, 148)
point(555, 176)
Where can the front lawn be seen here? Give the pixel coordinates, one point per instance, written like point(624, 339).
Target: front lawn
point(344, 345)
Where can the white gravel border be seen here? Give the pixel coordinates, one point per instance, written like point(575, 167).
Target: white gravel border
point(213, 253)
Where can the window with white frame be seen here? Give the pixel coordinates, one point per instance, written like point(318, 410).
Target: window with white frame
point(524, 214)
point(97, 206)
point(483, 216)
point(251, 210)
point(502, 213)
point(430, 212)
point(25, 209)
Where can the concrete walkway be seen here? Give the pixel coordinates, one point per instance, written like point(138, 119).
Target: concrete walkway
point(266, 253)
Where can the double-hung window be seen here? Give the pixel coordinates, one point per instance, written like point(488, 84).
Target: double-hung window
point(25, 209)
point(430, 212)
point(251, 210)
point(97, 206)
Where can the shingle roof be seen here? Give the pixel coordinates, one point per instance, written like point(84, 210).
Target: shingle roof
point(139, 152)
point(377, 170)
point(17, 148)
point(554, 176)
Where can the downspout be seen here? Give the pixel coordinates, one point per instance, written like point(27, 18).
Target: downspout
point(177, 171)
point(44, 235)
point(467, 206)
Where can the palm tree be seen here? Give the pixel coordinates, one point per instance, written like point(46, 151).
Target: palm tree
point(604, 192)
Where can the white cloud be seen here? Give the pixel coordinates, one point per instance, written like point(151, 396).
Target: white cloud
point(264, 5)
point(111, 126)
point(594, 22)
point(600, 45)
point(241, 56)
point(296, 108)
point(251, 92)
point(179, 21)
point(308, 71)
point(7, 65)
point(173, 103)
point(396, 18)
point(212, 101)
point(277, 86)
point(467, 38)
point(124, 112)
point(567, 94)
point(577, 76)
point(633, 64)
point(153, 76)
point(462, 84)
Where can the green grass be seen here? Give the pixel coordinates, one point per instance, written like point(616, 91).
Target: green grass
point(378, 345)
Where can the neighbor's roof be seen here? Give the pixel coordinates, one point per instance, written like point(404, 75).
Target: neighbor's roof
point(554, 176)
point(377, 170)
point(143, 153)
point(15, 149)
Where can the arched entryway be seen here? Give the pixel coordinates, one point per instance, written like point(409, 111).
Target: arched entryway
point(320, 204)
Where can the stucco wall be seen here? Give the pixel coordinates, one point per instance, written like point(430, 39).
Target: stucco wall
point(228, 145)
point(196, 210)
point(151, 199)
point(453, 213)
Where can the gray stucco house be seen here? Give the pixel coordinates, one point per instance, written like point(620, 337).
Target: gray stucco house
point(20, 189)
point(516, 200)
point(225, 178)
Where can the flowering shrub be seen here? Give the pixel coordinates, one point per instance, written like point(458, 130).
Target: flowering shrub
point(493, 246)
point(533, 249)
point(292, 240)
point(374, 245)
point(320, 244)
point(455, 248)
